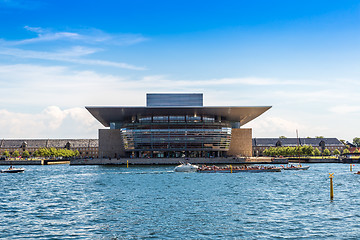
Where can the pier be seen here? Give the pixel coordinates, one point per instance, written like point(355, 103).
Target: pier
point(34, 162)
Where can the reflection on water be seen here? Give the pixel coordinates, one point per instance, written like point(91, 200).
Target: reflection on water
point(104, 202)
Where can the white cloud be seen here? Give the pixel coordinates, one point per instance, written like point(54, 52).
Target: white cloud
point(71, 55)
point(65, 87)
point(345, 109)
point(51, 122)
point(88, 36)
point(25, 87)
point(274, 125)
point(68, 52)
point(270, 126)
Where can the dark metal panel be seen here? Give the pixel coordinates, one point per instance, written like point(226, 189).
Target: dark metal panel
point(174, 99)
point(106, 115)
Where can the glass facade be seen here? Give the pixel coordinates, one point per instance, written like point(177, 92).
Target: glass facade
point(176, 136)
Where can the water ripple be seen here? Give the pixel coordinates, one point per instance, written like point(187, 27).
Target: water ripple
point(110, 202)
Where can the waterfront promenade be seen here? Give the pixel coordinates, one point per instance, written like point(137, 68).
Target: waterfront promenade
point(141, 161)
point(170, 161)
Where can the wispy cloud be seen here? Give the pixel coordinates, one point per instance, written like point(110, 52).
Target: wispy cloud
point(79, 53)
point(84, 36)
point(119, 89)
point(72, 55)
point(164, 81)
point(65, 88)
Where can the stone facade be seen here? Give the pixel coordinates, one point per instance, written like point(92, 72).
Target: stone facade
point(241, 142)
point(110, 143)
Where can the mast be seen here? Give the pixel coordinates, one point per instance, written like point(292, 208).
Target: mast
point(298, 144)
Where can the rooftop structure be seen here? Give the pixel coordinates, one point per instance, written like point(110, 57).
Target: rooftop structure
point(174, 100)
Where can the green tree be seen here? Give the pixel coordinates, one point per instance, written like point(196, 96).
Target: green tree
point(16, 153)
point(266, 152)
point(326, 152)
point(6, 153)
point(25, 154)
point(307, 150)
point(336, 152)
point(294, 151)
point(282, 137)
point(346, 151)
point(36, 153)
point(280, 151)
point(53, 152)
point(45, 152)
point(317, 152)
point(356, 151)
point(356, 141)
point(271, 151)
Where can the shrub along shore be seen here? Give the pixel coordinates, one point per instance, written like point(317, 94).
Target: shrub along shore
point(44, 152)
point(303, 151)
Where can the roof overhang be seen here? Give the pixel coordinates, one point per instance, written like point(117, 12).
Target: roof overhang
point(106, 115)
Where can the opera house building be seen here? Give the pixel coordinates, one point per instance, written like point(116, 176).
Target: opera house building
point(175, 125)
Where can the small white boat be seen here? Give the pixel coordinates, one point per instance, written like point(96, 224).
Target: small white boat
point(186, 167)
point(13, 170)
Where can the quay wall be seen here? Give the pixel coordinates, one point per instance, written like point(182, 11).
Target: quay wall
point(20, 162)
point(33, 162)
point(316, 160)
point(172, 161)
point(169, 161)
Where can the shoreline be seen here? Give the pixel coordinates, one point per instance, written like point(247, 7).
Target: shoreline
point(175, 161)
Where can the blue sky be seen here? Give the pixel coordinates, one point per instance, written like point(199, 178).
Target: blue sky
point(301, 57)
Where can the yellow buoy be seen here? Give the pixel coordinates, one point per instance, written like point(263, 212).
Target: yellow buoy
point(127, 163)
point(331, 186)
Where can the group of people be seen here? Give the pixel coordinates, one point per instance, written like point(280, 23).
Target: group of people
point(238, 168)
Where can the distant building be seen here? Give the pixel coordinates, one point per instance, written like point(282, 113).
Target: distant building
point(260, 144)
point(175, 125)
point(86, 147)
point(353, 149)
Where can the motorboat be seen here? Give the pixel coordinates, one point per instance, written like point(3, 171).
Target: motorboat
point(13, 170)
point(186, 167)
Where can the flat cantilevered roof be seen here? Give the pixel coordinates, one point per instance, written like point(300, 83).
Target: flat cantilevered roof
point(106, 115)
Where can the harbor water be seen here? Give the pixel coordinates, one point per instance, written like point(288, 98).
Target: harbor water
point(115, 202)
